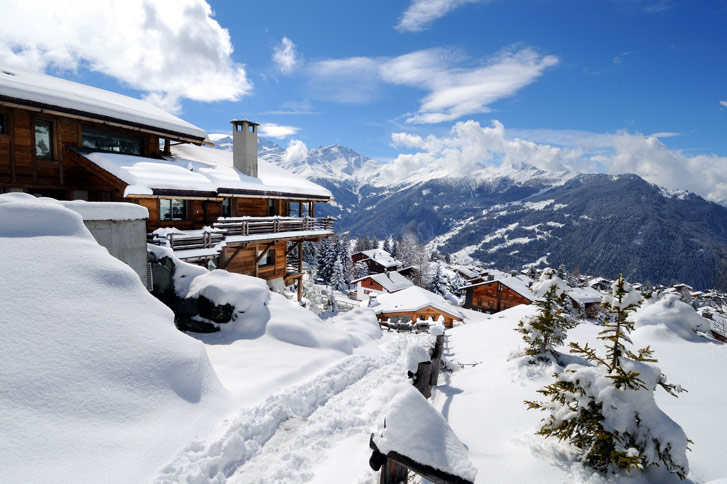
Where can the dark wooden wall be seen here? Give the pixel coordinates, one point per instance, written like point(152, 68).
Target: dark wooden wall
point(244, 261)
point(486, 297)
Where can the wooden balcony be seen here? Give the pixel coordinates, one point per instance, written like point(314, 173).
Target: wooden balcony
point(240, 229)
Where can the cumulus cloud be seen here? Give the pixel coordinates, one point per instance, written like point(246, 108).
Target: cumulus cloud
point(723, 104)
point(422, 13)
point(277, 131)
point(296, 152)
point(469, 147)
point(455, 88)
point(169, 49)
point(286, 56)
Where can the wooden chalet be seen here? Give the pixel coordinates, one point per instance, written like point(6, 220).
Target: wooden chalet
point(375, 284)
point(585, 298)
point(415, 304)
point(498, 294)
point(377, 260)
point(69, 141)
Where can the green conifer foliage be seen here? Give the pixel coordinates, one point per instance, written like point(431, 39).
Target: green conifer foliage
point(547, 329)
point(607, 409)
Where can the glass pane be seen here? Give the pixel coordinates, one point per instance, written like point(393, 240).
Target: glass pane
point(3, 124)
point(43, 139)
point(110, 141)
point(165, 209)
point(226, 207)
point(179, 210)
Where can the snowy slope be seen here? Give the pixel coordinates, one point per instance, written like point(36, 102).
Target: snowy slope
point(97, 385)
point(483, 401)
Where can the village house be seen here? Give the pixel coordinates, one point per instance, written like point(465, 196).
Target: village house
point(413, 305)
point(376, 284)
point(498, 294)
point(377, 260)
point(585, 298)
point(68, 141)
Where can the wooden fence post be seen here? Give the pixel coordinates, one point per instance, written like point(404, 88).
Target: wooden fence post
point(437, 360)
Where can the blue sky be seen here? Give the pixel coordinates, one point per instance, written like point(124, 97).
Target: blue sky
point(616, 86)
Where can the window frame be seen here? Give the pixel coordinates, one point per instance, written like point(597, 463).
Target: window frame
point(53, 149)
point(113, 133)
point(268, 260)
point(171, 210)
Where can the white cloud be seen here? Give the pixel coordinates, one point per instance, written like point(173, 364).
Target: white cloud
point(169, 49)
point(469, 147)
point(286, 56)
point(296, 152)
point(421, 13)
point(723, 104)
point(455, 89)
point(277, 131)
point(351, 80)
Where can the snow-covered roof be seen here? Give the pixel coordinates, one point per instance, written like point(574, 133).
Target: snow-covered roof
point(585, 295)
point(466, 272)
point(412, 299)
point(382, 257)
point(519, 284)
point(202, 170)
point(71, 97)
point(390, 281)
point(107, 210)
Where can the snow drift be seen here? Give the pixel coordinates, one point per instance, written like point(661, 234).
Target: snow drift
point(97, 383)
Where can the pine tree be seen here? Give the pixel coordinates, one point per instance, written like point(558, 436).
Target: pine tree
point(327, 257)
point(309, 253)
point(387, 246)
point(374, 243)
point(338, 279)
point(456, 284)
point(438, 283)
point(344, 255)
point(359, 245)
point(606, 408)
point(366, 244)
point(548, 328)
point(360, 270)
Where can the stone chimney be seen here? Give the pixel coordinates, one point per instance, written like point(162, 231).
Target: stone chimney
point(244, 146)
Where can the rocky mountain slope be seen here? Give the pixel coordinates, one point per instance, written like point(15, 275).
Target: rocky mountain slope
point(514, 216)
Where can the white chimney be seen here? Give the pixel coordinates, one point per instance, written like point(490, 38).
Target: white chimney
point(244, 146)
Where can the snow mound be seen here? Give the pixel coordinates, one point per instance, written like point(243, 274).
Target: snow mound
point(416, 355)
point(360, 324)
point(415, 429)
point(95, 374)
point(671, 316)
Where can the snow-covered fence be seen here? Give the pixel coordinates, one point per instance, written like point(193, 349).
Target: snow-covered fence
point(399, 459)
point(416, 437)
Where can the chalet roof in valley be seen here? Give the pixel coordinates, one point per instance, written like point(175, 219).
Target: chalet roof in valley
point(382, 257)
point(413, 299)
point(519, 284)
point(50, 93)
point(390, 281)
point(585, 295)
point(201, 171)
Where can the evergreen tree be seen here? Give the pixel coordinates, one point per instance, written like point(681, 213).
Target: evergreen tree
point(374, 243)
point(359, 245)
point(327, 257)
point(366, 244)
point(548, 328)
point(344, 255)
point(438, 283)
point(387, 246)
point(309, 253)
point(456, 284)
point(338, 278)
point(360, 270)
point(606, 408)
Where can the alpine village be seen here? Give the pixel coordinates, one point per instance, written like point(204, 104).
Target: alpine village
point(202, 305)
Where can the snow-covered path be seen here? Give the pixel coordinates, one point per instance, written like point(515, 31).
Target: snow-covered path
point(293, 434)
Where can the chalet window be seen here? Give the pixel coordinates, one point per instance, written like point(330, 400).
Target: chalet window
point(99, 139)
point(172, 209)
point(271, 207)
point(268, 259)
point(227, 207)
point(293, 209)
point(3, 124)
point(43, 139)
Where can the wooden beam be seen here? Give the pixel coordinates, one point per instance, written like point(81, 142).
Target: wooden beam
point(234, 254)
point(292, 248)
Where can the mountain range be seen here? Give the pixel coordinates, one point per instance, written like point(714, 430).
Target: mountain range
point(515, 216)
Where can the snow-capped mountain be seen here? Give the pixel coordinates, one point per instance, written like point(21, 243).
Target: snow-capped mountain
point(518, 215)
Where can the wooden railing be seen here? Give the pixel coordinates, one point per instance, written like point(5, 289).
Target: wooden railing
point(273, 225)
point(224, 227)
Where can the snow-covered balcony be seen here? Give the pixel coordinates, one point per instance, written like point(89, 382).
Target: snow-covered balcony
point(206, 243)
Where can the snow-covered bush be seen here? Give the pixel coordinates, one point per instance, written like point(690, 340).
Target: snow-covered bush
point(606, 408)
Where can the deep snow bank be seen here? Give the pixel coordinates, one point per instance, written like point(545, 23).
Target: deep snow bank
point(97, 385)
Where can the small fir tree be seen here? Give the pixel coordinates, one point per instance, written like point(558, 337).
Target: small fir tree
point(344, 255)
point(606, 408)
point(374, 242)
point(438, 283)
point(547, 329)
point(387, 246)
point(456, 284)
